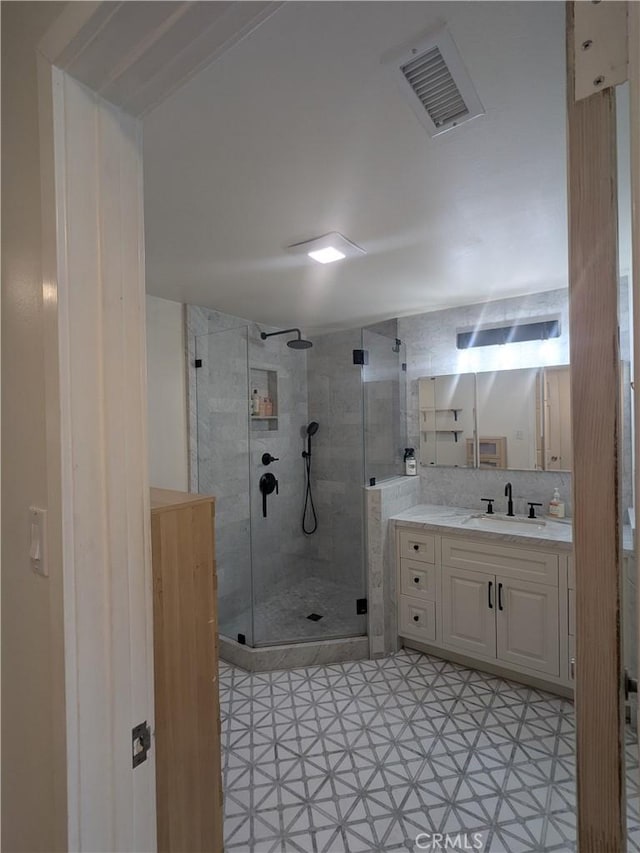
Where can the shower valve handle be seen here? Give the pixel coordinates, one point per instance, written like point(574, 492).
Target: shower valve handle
point(267, 459)
point(268, 485)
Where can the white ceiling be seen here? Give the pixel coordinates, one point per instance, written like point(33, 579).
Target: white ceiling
point(300, 129)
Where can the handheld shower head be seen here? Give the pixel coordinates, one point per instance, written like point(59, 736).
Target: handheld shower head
point(312, 429)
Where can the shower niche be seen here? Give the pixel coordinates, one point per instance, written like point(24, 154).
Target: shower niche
point(265, 382)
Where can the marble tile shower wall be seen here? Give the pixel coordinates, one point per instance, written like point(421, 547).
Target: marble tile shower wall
point(382, 429)
point(223, 468)
point(222, 429)
point(335, 401)
point(431, 350)
point(384, 390)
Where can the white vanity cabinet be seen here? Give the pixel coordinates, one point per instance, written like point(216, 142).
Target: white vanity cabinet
point(503, 605)
point(468, 620)
point(527, 626)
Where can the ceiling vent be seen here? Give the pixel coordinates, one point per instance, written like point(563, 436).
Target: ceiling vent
point(437, 84)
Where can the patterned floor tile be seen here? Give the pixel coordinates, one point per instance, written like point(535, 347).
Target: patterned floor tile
point(364, 756)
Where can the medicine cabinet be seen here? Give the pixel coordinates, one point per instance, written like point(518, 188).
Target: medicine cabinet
point(506, 419)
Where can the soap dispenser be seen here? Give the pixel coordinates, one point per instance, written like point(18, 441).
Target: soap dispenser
point(556, 506)
point(410, 462)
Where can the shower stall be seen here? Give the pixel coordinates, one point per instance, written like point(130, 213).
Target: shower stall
point(279, 431)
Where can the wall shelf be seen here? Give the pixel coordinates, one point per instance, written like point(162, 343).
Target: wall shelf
point(454, 432)
point(265, 382)
point(454, 412)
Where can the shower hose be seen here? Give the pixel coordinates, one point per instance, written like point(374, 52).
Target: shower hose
point(309, 507)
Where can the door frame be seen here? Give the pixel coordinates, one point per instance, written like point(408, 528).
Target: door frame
point(101, 66)
point(596, 407)
point(70, 50)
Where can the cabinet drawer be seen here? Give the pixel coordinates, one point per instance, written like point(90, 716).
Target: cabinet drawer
point(572, 612)
point(417, 618)
point(418, 579)
point(531, 566)
point(418, 546)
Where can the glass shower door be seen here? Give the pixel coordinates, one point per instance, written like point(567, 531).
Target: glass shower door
point(384, 390)
point(306, 585)
point(222, 394)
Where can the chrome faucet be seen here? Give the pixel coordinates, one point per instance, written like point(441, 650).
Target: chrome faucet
point(508, 494)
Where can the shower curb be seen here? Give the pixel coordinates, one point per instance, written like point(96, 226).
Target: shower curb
point(270, 658)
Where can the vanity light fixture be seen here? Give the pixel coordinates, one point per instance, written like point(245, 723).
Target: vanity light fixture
point(541, 330)
point(328, 248)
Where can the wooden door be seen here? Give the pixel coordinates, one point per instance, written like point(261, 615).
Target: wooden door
point(468, 611)
point(527, 625)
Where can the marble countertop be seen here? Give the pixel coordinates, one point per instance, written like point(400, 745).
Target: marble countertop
point(471, 523)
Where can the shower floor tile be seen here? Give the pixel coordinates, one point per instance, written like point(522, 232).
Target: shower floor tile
point(282, 616)
point(366, 755)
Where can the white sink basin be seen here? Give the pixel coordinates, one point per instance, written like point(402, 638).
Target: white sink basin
point(482, 521)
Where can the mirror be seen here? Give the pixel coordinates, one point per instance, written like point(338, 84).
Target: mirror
point(507, 419)
point(447, 419)
point(556, 446)
point(509, 423)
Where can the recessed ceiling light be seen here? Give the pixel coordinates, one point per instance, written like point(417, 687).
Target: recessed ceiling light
point(328, 248)
point(326, 256)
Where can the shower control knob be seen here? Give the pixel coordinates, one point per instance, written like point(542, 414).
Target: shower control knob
point(268, 485)
point(267, 459)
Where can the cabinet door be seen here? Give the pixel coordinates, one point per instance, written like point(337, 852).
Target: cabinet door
point(527, 625)
point(468, 611)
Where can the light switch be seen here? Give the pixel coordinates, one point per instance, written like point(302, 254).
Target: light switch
point(38, 541)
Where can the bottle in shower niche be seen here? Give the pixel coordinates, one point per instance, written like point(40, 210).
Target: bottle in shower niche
point(410, 462)
point(255, 402)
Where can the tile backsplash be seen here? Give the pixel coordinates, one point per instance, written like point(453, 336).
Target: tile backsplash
point(465, 487)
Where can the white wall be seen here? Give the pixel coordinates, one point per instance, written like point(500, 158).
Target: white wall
point(33, 714)
point(167, 395)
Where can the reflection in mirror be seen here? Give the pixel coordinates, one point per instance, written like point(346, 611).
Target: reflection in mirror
point(558, 450)
point(447, 419)
point(509, 423)
point(505, 419)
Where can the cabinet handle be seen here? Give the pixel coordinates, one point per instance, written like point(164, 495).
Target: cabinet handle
point(416, 580)
point(500, 607)
point(416, 618)
point(572, 668)
point(489, 591)
point(416, 547)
